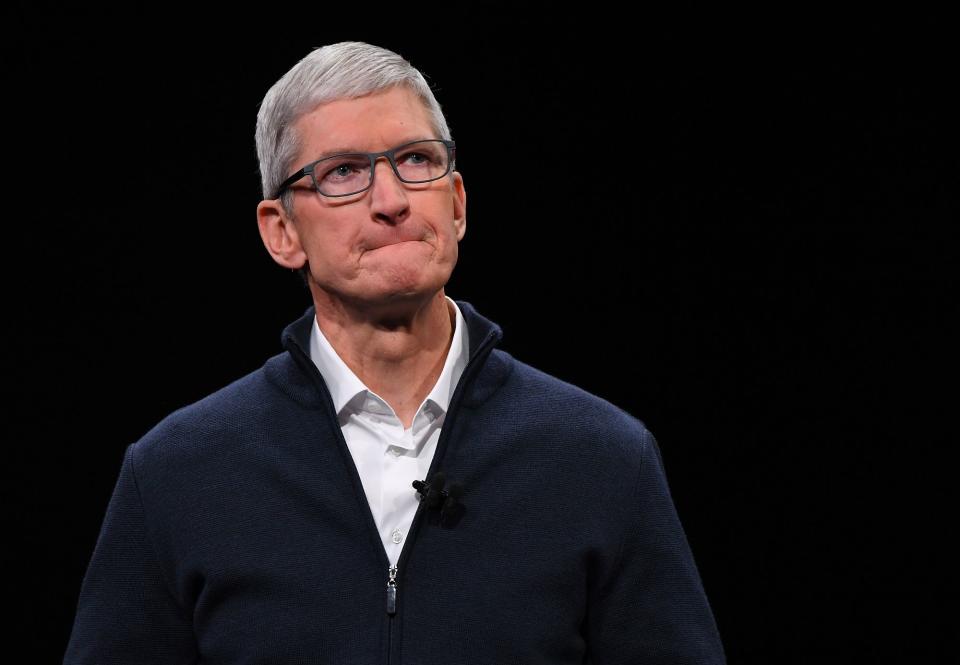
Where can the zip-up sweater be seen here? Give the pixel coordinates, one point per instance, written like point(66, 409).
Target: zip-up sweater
point(239, 533)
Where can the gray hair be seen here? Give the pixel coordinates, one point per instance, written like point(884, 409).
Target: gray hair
point(336, 71)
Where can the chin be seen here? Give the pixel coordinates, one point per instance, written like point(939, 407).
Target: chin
point(405, 279)
point(406, 291)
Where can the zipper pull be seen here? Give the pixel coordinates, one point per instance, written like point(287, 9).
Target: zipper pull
point(392, 591)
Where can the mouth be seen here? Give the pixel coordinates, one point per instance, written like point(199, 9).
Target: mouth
point(391, 244)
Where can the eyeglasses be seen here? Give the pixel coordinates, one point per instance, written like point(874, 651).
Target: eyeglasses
point(352, 173)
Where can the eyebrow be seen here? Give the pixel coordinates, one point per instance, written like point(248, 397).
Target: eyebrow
point(351, 151)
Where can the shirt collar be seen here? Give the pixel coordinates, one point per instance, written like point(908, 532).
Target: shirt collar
point(345, 386)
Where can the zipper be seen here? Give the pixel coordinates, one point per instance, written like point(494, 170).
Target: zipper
point(472, 368)
point(391, 608)
point(392, 591)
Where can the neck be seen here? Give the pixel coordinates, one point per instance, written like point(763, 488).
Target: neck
point(398, 352)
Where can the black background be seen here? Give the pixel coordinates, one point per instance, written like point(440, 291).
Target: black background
point(738, 228)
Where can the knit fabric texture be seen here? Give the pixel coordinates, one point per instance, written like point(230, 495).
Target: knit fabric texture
point(239, 533)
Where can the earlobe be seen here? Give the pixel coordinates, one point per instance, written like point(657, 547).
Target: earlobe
point(279, 235)
point(459, 205)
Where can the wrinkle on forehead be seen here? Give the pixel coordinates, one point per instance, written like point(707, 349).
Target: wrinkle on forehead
point(364, 124)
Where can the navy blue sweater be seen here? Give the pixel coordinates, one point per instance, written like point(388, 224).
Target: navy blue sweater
point(239, 532)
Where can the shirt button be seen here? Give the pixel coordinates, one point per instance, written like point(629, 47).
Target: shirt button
point(395, 452)
point(397, 536)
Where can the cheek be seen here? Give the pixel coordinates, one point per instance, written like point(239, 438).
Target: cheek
point(443, 225)
point(331, 241)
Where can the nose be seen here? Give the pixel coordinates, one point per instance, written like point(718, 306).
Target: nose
point(388, 196)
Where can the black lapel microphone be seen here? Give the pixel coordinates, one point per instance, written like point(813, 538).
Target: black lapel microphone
point(433, 495)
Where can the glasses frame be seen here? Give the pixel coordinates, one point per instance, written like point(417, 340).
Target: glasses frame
point(310, 169)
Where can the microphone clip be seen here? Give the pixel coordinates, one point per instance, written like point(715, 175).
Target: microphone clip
point(434, 495)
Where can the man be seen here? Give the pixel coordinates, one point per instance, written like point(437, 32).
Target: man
point(277, 520)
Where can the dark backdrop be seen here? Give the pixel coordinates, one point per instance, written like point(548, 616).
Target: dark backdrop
point(738, 228)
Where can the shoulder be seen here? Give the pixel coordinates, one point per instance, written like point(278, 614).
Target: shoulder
point(563, 410)
point(202, 430)
point(537, 389)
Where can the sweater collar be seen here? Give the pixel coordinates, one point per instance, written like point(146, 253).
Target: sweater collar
point(301, 379)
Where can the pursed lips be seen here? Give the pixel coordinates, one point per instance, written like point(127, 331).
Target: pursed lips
point(392, 243)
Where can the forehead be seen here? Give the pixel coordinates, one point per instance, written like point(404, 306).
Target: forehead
point(370, 123)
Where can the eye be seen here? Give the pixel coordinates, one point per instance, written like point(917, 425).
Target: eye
point(344, 169)
point(416, 158)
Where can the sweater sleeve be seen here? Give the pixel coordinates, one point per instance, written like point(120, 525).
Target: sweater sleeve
point(648, 605)
point(126, 613)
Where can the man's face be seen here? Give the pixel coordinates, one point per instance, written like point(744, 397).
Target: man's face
point(393, 243)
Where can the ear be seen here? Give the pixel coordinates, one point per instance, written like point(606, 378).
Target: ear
point(459, 205)
point(279, 234)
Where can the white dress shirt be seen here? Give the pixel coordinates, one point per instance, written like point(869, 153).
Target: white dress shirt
point(388, 457)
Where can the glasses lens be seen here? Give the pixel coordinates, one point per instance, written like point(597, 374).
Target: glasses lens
point(343, 174)
point(422, 161)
